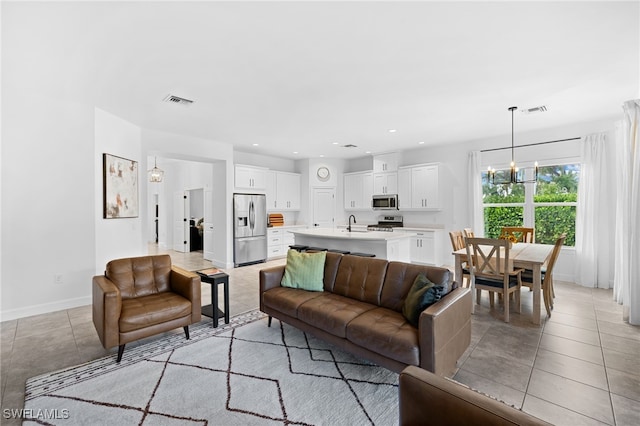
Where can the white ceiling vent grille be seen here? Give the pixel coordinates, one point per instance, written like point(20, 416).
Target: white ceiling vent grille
point(172, 99)
point(349, 145)
point(534, 110)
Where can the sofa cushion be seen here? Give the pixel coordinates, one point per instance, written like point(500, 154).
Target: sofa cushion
point(422, 294)
point(331, 312)
point(287, 300)
point(304, 270)
point(360, 278)
point(386, 332)
point(146, 311)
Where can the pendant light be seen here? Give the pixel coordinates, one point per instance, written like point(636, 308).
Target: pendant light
point(513, 172)
point(155, 174)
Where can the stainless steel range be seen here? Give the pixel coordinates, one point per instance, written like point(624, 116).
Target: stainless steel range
point(386, 223)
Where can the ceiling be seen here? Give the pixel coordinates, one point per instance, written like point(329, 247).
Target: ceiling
point(313, 77)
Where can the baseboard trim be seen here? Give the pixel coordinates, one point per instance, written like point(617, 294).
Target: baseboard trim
point(44, 308)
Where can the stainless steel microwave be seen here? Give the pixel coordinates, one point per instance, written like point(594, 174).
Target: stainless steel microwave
point(385, 202)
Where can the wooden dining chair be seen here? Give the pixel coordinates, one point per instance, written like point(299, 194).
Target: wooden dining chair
point(491, 270)
point(468, 233)
point(522, 234)
point(457, 243)
point(547, 275)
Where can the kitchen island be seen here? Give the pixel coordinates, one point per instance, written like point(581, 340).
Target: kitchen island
point(385, 245)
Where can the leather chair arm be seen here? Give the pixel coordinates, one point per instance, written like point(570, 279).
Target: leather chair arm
point(107, 305)
point(188, 285)
point(444, 329)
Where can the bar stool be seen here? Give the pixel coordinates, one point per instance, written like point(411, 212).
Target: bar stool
point(298, 247)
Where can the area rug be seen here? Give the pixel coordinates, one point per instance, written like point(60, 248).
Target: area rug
point(242, 373)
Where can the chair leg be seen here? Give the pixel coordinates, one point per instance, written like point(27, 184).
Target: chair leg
point(120, 352)
point(478, 296)
point(269, 322)
point(506, 307)
point(491, 297)
point(186, 331)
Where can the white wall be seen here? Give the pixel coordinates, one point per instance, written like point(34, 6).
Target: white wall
point(47, 201)
point(122, 237)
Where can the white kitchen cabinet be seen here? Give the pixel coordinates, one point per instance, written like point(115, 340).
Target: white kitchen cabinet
point(278, 241)
point(404, 188)
point(385, 162)
point(282, 191)
point(425, 187)
point(419, 187)
point(274, 243)
point(385, 183)
point(249, 177)
point(425, 247)
point(358, 190)
point(271, 191)
point(287, 191)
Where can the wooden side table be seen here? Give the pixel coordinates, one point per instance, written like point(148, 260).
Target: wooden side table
point(212, 310)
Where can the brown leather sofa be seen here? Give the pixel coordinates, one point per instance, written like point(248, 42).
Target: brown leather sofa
point(138, 297)
point(360, 311)
point(427, 399)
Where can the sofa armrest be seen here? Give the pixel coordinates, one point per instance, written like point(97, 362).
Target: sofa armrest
point(444, 331)
point(188, 285)
point(107, 305)
point(270, 278)
point(423, 395)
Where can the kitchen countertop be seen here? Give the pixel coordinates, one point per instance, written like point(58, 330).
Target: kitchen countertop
point(356, 235)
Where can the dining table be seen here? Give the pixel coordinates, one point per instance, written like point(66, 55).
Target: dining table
point(531, 256)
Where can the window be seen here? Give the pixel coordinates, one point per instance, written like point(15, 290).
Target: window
point(548, 205)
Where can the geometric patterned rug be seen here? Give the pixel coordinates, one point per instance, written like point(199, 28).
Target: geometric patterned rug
point(242, 373)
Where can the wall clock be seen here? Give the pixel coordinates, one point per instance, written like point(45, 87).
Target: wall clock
point(323, 174)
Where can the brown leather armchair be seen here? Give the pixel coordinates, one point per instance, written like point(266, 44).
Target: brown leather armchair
point(139, 297)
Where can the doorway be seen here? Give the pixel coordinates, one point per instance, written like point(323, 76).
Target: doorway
point(324, 207)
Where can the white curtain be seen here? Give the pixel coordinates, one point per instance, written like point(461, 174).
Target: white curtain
point(627, 242)
point(475, 193)
point(592, 239)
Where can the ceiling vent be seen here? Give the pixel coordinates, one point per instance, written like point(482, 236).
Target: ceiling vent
point(534, 110)
point(172, 99)
point(349, 145)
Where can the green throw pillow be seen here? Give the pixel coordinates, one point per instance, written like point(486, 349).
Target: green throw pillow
point(304, 270)
point(423, 293)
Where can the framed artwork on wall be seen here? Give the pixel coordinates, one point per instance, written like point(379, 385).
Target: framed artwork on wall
point(120, 187)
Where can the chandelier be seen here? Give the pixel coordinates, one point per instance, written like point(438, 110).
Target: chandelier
point(514, 172)
point(155, 174)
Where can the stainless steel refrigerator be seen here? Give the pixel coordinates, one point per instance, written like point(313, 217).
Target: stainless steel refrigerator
point(250, 228)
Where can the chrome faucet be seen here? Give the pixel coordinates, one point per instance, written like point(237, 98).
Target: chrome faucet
point(354, 221)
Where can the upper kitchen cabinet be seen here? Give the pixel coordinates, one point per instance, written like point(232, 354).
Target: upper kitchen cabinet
point(288, 191)
point(419, 187)
point(385, 162)
point(385, 183)
point(283, 191)
point(249, 177)
point(358, 190)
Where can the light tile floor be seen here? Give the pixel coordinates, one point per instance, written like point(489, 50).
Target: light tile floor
point(582, 366)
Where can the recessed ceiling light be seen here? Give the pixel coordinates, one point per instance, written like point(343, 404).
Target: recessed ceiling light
point(335, 143)
point(367, 152)
point(321, 155)
point(255, 144)
point(392, 130)
point(295, 152)
point(421, 143)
